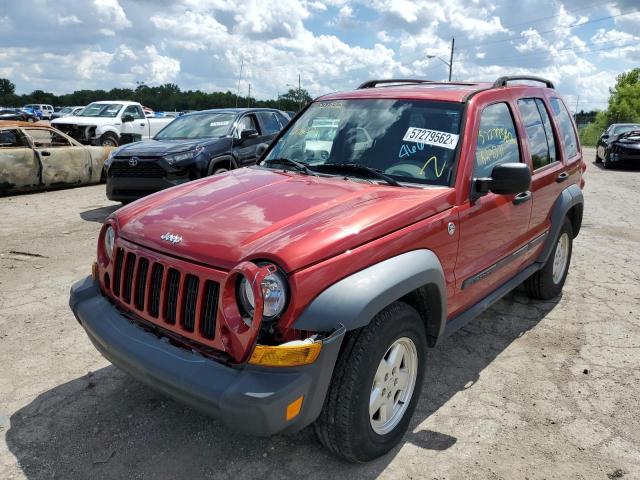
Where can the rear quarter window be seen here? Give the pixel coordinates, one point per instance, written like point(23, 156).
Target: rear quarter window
point(568, 138)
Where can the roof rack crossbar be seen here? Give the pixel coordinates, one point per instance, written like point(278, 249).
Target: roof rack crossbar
point(374, 83)
point(502, 81)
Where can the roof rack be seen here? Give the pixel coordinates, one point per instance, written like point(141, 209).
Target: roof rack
point(502, 81)
point(374, 83)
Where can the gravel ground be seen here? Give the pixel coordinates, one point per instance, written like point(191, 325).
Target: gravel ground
point(528, 390)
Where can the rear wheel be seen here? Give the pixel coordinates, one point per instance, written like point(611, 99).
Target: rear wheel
point(376, 385)
point(30, 120)
point(547, 282)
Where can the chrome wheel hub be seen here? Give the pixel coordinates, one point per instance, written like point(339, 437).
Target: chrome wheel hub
point(560, 258)
point(393, 385)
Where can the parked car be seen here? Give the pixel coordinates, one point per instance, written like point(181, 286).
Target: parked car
point(297, 292)
point(36, 157)
point(191, 147)
point(624, 150)
point(33, 112)
point(609, 136)
point(110, 123)
point(14, 114)
point(66, 112)
point(45, 110)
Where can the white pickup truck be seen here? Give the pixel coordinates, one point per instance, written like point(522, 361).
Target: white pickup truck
point(110, 123)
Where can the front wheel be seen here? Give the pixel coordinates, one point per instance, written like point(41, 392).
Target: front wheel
point(108, 140)
point(30, 120)
point(376, 385)
point(547, 282)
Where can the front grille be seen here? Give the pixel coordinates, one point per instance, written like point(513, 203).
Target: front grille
point(183, 302)
point(144, 168)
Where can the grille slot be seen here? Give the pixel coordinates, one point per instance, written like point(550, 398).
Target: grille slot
point(189, 299)
point(141, 282)
point(155, 289)
point(209, 309)
point(121, 168)
point(171, 301)
point(128, 277)
point(117, 271)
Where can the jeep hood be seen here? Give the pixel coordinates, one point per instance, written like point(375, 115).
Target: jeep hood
point(258, 213)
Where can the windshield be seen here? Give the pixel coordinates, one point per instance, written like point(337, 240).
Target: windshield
point(625, 128)
point(65, 110)
point(409, 140)
point(109, 110)
point(201, 125)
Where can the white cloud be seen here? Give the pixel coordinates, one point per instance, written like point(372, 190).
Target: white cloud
point(111, 13)
point(69, 20)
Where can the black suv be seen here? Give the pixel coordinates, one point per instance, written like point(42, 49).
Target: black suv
point(192, 146)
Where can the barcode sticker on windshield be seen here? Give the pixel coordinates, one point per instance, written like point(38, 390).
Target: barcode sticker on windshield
point(219, 124)
point(431, 137)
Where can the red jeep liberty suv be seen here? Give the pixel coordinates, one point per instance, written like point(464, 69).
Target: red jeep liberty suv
point(306, 289)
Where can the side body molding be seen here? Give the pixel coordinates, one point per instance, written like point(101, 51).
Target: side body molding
point(356, 299)
point(569, 198)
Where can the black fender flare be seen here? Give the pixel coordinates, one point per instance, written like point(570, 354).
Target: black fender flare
point(569, 198)
point(221, 158)
point(356, 299)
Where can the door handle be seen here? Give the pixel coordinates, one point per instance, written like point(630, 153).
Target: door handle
point(44, 153)
point(522, 197)
point(562, 177)
point(142, 124)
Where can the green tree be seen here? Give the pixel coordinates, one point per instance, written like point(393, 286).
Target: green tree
point(7, 87)
point(624, 102)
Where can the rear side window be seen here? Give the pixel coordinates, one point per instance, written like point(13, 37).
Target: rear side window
point(497, 140)
point(568, 138)
point(269, 122)
point(539, 133)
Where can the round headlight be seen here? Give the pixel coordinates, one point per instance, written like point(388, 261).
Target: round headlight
point(109, 240)
point(274, 293)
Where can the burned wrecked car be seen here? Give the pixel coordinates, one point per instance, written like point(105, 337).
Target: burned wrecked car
point(36, 157)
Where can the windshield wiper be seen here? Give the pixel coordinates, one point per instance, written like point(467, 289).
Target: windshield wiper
point(287, 161)
point(356, 167)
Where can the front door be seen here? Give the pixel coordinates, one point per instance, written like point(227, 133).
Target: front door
point(62, 162)
point(139, 125)
point(493, 227)
point(245, 149)
point(19, 167)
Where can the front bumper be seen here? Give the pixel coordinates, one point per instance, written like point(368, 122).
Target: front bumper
point(247, 398)
point(125, 189)
point(625, 157)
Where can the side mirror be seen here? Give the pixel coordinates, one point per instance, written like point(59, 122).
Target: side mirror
point(127, 118)
point(248, 133)
point(505, 179)
point(260, 149)
point(605, 136)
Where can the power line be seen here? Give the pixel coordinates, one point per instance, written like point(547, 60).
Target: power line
point(567, 49)
point(568, 27)
point(554, 16)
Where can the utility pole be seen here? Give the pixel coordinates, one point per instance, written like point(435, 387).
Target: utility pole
point(299, 94)
point(575, 115)
point(453, 41)
point(278, 98)
point(239, 78)
point(249, 97)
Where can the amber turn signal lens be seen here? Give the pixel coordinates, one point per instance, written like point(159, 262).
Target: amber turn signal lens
point(293, 409)
point(285, 355)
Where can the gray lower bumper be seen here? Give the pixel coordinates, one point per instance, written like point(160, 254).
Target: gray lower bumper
point(250, 399)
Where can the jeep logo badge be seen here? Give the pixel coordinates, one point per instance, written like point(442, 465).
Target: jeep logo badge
point(171, 238)
point(133, 161)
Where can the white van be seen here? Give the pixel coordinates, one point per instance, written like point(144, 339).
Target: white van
point(46, 110)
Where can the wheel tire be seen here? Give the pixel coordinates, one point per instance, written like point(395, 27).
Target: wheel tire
point(108, 140)
point(543, 284)
point(598, 158)
point(344, 426)
point(30, 120)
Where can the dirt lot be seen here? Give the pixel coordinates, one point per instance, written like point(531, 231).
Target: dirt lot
point(529, 390)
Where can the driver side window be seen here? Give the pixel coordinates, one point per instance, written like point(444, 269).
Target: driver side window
point(497, 140)
point(246, 123)
point(43, 138)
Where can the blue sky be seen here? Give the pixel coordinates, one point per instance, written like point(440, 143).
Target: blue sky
point(334, 45)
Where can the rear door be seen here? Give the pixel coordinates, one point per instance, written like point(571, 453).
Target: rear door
point(62, 162)
point(270, 125)
point(493, 228)
point(19, 166)
point(548, 170)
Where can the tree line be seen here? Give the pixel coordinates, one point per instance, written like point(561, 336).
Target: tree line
point(167, 97)
point(623, 107)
